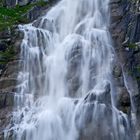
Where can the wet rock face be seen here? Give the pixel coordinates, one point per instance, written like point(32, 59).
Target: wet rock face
point(6, 99)
point(103, 96)
point(94, 116)
point(125, 29)
point(125, 32)
point(5, 117)
point(73, 75)
point(94, 126)
point(90, 120)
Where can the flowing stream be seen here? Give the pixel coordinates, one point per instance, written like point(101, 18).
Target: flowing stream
point(66, 89)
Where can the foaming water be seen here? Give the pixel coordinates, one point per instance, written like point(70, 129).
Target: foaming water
point(65, 89)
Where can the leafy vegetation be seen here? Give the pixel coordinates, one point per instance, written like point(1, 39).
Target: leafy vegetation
point(13, 16)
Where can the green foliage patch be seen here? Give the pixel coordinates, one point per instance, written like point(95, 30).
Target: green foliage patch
point(13, 16)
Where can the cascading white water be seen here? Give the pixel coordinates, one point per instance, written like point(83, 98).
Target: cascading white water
point(65, 89)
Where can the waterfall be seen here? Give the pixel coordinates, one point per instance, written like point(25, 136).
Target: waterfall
point(65, 89)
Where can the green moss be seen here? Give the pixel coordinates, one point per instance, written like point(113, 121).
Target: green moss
point(13, 16)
